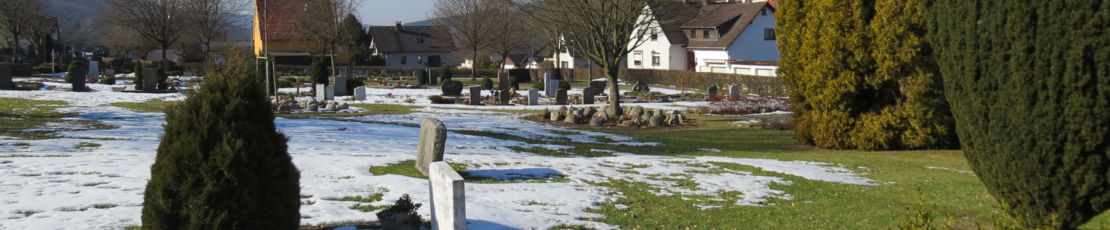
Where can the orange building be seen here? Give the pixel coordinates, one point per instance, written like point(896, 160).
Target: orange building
point(276, 37)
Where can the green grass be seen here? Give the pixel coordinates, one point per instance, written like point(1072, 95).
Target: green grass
point(17, 115)
point(407, 168)
point(151, 106)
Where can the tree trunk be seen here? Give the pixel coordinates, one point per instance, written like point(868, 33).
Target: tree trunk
point(611, 72)
point(474, 65)
point(332, 57)
point(165, 63)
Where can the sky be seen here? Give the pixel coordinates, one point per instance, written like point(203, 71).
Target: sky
point(386, 12)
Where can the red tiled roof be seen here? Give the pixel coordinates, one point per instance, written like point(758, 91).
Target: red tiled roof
point(279, 19)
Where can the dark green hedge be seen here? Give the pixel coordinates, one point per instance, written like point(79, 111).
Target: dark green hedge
point(1029, 83)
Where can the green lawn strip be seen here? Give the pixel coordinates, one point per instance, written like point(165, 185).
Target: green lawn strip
point(150, 106)
point(17, 115)
point(374, 109)
point(407, 168)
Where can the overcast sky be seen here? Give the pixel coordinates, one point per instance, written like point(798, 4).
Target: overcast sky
point(385, 12)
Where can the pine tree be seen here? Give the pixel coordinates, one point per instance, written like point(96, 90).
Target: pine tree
point(1029, 85)
point(221, 164)
point(138, 75)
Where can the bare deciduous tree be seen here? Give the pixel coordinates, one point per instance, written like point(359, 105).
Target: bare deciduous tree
point(207, 19)
point(321, 20)
point(512, 32)
point(603, 31)
point(19, 17)
point(155, 20)
point(471, 23)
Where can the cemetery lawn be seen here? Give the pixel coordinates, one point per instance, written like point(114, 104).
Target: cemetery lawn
point(19, 117)
point(938, 181)
point(158, 106)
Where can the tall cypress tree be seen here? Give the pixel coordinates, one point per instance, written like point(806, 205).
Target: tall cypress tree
point(221, 164)
point(1029, 85)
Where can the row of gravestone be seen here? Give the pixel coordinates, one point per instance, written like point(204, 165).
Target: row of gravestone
point(733, 92)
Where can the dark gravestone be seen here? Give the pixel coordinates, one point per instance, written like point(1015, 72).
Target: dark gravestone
point(77, 77)
point(6, 77)
point(561, 97)
point(341, 86)
point(150, 80)
point(589, 93)
point(503, 96)
point(433, 136)
point(475, 95)
point(641, 87)
point(734, 92)
point(451, 88)
point(712, 92)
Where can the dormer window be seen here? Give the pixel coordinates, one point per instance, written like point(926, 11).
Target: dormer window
point(705, 34)
point(419, 40)
point(654, 35)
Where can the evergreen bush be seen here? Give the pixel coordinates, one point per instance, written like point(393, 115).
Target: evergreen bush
point(538, 85)
point(138, 75)
point(868, 81)
point(445, 73)
point(73, 68)
point(353, 83)
point(422, 77)
point(564, 85)
point(487, 83)
point(161, 79)
point(319, 72)
point(221, 164)
point(1029, 84)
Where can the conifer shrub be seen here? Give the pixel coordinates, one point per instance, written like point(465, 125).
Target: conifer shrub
point(445, 73)
point(138, 75)
point(422, 77)
point(487, 83)
point(319, 72)
point(74, 68)
point(161, 80)
point(221, 164)
point(1029, 84)
point(868, 81)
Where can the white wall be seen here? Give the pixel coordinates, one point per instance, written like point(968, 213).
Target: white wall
point(711, 61)
point(669, 59)
point(751, 46)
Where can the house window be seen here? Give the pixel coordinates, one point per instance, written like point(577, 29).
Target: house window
point(419, 59)
point(718, 69)
point(693, 34)
point(744, 71)
point(404, 60)
point(637, 58)
point(765, 72)
point(419, 40)
point(705, 34)
point(564, 64)
point(769, 34)
point(654, 35)
point(655, 58)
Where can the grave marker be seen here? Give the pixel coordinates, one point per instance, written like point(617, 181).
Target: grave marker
point(433, 135)
point(533, 96)
point(448, 196)
point(340, 86)
point(6, 77)
point(150, 80)
point(360, 93)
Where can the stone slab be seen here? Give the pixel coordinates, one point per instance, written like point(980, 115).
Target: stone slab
point(503, 96)
point(734, 92)
point(329, 93)
point(433, 137)
point(561, 97)
point(360, 93)
point(321, 92)
point(150, 80)
point(340, 86)
point(94, 72)
point(448, 196)
point(475, 95)
point(533, 96)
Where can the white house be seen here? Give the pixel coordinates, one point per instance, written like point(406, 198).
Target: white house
point(664, 43)
point(736, 38)
point(412, 46)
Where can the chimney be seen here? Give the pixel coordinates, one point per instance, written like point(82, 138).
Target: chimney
point(398, 28)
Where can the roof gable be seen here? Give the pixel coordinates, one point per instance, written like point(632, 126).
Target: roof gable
point(671, 15)
point(729, 19)
point(278, 19)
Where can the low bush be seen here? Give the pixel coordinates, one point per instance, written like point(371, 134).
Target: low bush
point(436, 99)
point(564, 85)
point(108, 80)
point(353, 83)
point(487, 83)
point(538, 85)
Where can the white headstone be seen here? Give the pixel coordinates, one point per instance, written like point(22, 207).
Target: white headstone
point(360, 93)
point(321, 92)
point(533, 96)
point(94, 71)
point(448, 197)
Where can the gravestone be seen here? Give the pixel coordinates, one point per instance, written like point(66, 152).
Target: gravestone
point(329, 93)
point(6, 77)
point(561, 97)
point(150, 80)
point(321, 92)
point(503, 96)
point(77, 78)
point(451, 88)
point(110, 72)
point(360, 93)
point(433, 135)
point(475, 95)
point(340, 86)
point(641, 87)
point(596, 88)
point(448, 196)
point(712, 92)
point(734, 92)
point(533, 96)
point(550, 85)
point(599, 84)
point(94, 72)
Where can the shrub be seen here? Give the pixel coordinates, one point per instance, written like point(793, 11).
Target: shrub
point(73, 68)
point(487, 83)
point(564, 85)
point(436, 99)
point(513, 83)
point(138, 75)
point(162, 78)
point(319, 72)
point(1028, 83)
point(286, 82)
point(353, 83)
point(538, 85)
point(221, 163)
point(108, 80)
point(868, 82)
point(445, 73)
point(422, 77)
